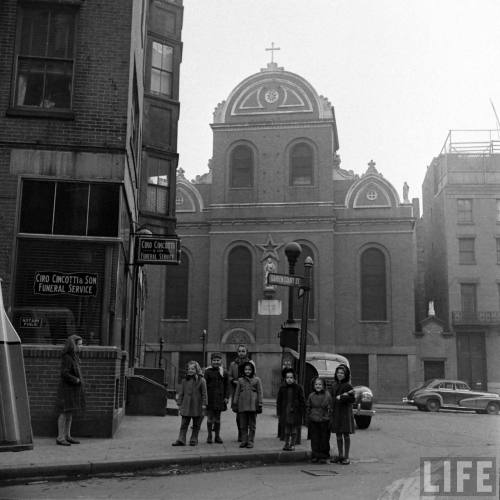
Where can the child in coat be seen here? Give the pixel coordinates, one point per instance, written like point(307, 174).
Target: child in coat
point(290, 408)
point(342, 423)
point(218, 395)
point(192, 402)
point(247, 402)
point(318, 414)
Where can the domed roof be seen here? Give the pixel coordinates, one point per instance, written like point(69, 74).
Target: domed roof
point(273, 94)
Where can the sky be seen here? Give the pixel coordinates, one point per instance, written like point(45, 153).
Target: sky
point(400, 74)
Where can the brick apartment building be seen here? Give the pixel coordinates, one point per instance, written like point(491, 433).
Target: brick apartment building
point(88, 125)
point(461, 247)
point(275, 177)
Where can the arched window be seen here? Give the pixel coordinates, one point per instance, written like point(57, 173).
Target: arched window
point(301, 165)
point(300, 271)
point(177, 289)
point(373, 286)
point(241, 167)
point(239, 283)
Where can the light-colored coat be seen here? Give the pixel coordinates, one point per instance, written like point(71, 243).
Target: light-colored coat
point(248, 394)
point(192, 396)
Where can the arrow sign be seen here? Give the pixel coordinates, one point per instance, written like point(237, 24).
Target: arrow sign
point(284, 280)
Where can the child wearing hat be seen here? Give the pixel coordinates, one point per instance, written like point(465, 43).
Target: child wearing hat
point(218, 388)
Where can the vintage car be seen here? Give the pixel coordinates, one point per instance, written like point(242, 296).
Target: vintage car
point(323, 365)
point(436, 393)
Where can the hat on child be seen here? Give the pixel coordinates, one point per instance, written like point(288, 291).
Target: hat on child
point(216, 355)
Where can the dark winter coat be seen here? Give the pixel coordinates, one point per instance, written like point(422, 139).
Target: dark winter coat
point(290, 410)
point(71, 395)
point(319, 407)
point(217, 388)
point(192, 396)
point(342, 421)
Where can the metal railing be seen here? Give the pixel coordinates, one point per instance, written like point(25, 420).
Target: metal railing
point(478, 317)
point(472, 142)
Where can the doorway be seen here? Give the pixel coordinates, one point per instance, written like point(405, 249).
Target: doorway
point(471, 359)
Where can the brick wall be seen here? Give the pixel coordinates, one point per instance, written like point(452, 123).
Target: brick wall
point(103, 370)
point(101, 81)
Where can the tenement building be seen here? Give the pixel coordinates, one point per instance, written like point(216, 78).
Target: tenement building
point(460, 338)
point(88, 124)
point(275, 177)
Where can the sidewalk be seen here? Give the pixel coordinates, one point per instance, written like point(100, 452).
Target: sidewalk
point(143, 442)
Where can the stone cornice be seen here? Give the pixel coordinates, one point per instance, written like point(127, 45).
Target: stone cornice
point(229, 127)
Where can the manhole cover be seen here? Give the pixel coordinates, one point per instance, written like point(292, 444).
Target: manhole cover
point(320, 472)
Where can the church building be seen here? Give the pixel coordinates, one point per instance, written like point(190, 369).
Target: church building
point(274, 178)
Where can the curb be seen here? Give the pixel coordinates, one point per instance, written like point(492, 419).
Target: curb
point(23, 474)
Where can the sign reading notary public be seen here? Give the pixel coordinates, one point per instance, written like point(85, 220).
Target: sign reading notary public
point(284, 279)
point(55, 283)
point(153, 250)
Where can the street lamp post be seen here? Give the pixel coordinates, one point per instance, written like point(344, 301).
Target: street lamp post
point(204, 336)
point(289, 329)
point(306, 287)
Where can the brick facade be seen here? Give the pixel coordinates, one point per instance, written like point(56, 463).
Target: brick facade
point(103, 370)
point(95, 141)
point(335, 214)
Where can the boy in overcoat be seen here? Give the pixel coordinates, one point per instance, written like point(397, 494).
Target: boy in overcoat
point(290, 408)
point(342, 423)
point(247, 402)
point(192, 401)
point(217, 379)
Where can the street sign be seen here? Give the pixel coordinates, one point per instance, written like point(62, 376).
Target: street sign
point(284, 280)
point(153, 250)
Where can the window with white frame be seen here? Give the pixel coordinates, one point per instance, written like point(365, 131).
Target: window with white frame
point(45, 57)
point(158, 185)
point(161, 69)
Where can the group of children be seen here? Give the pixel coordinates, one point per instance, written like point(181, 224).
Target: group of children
point(324, 411)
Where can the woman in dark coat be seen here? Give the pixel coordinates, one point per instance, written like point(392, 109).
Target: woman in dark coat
point(290, 408)
point(71, 396)
point(342, 423)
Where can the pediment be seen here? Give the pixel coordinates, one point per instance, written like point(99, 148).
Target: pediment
point(371, 195)
point(272, 96)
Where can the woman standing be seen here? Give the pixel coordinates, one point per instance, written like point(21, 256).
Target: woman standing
point(342, 418)
point(71, 396)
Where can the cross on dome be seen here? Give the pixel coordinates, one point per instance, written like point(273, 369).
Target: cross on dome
point(272, 49)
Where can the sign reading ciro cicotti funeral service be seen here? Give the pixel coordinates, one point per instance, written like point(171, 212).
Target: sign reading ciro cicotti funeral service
point(54, 282)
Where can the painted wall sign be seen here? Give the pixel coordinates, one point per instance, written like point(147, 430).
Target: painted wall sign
point(54, 283)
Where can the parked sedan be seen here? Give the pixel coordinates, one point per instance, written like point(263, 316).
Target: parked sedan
point(452, 394)
point(324, 364)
